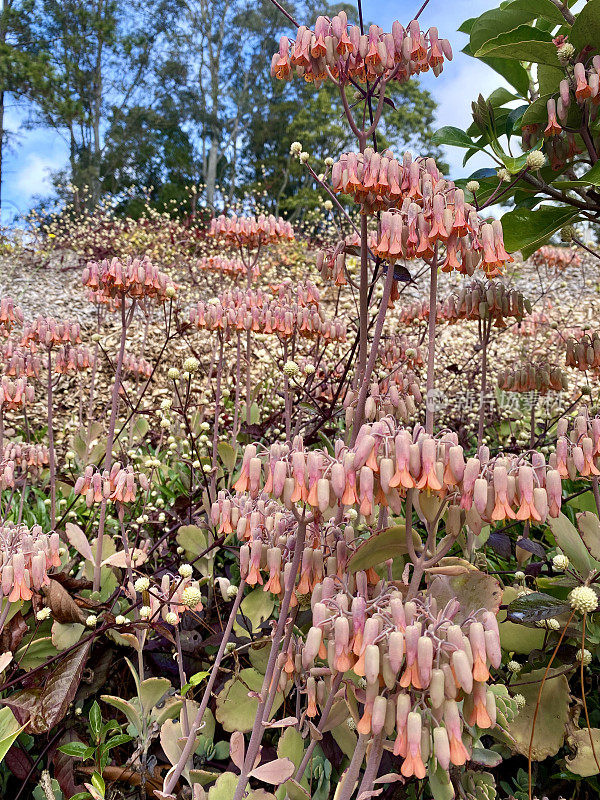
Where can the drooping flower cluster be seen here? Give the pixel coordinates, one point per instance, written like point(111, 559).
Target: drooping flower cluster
point(15, 394)
point(585, 86)
point(578, 451)
point(485, 300)
point(20, 361)
point(533, 378)
point(26, 456)
point(398, 349)
point(10, 315)
point(136, 365)
point(420, 209)
point(25, 558)
point(422, 671)
point(258, 311)
point(396, 396)
point(339, 51)
point(557, 257)
point(70, 359)
point(388, 459)
point(48, 332)
point(584, 353)
point(250, 231)
point(233, 267)
point(133, 278)
point(118, 484)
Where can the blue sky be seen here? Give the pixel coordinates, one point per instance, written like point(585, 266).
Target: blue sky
point(34, 154)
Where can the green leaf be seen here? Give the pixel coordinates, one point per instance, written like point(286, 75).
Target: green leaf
point(235, 710)
point(570, 542)
point(74, 749)
point(494, 22)
point(116, 741)
point(388, 543)
point(528, 608)
point(98, 783)
point(517, 638)
point(126, 708)
point(551, 719)
point(9, 730)
point(527, 230)
point(193, 540)
point(256, 607)
point(591, 178)
point(586, 28)
point(228, 455)
point(589, 528)
point(537, 9)
point(439, 782)
point(500, 97)
point(194, 681)
point(549, 78)
point(152, 690)
point(514, 120)
point(95, 720)
point(453, 137)
point(522, 43)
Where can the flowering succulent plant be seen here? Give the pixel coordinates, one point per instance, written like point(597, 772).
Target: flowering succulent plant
point(297, 538)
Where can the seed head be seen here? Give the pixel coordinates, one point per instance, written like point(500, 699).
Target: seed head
point(232, 591)
point(173, 373)
point(171, 618)
point(142, 584)
point(472, 186)
point(513, 666)
point(42, 614)
point(191, 596)
point(121, 620)
point(535, 159)
point(503, 175)
point(560, 562)
point(191, 364)
point(565, 52)
point(295, 148)
point(519, 701)
point(290, 368)
point(583, 599)
point(91, 621)
point(145, 612)
point(584, 656)
point(186, 570)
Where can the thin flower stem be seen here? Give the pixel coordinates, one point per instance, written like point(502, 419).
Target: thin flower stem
point(537, 706)
point(51, 453)
point(111, 436)
point(429, 401)
point(373, 762)
point(174, 775)
point(258, 729)
point(215, 441)
point(350, 778)
point(359, 413)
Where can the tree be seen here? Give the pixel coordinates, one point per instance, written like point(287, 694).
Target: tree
point(100, 53)
point(24, 69)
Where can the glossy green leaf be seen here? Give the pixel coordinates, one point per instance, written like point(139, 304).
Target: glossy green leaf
point(534, 607)
point(570, 542)
point(255, 608)
point(454, 137)
point(591, 178)
point(388, 543)
point(527, 230)
point(586, 28)
point(522, 43)
point(9, 730)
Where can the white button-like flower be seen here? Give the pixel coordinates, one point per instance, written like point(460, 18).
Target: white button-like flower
point(584, 599)
point(186, 570)
point(560, 562)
